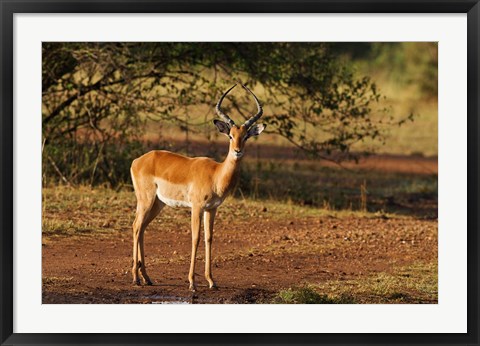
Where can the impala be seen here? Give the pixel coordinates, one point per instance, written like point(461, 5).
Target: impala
point(164, 178)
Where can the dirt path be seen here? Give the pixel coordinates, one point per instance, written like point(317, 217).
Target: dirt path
point(253, 259)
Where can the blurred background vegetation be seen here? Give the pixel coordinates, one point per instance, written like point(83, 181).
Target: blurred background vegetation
point(105, 104)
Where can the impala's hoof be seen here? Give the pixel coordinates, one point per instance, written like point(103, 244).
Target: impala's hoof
point(148, 283)
point(214, 287)
point(192, 288)
point(136, 282)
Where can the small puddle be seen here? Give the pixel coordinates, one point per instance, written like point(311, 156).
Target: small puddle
point(165, 299)
point(161, 299)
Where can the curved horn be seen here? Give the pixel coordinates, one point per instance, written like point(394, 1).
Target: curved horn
point(219, 111)
point(257, 116)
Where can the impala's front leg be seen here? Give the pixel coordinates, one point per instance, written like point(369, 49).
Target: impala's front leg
point(208, 218)
point(196, 212)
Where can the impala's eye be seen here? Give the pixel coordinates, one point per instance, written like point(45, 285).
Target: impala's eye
point(230, 137)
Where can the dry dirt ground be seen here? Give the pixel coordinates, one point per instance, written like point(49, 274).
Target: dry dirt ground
point(253, 259)
point(260, 249)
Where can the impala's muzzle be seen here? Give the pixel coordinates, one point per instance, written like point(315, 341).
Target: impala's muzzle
point(237, 153)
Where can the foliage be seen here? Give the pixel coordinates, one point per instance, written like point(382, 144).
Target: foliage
point(406, 64)
point(410, 64)
point(98, 94)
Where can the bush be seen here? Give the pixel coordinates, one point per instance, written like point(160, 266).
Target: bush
point(90, 163)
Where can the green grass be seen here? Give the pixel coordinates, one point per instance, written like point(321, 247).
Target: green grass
point(413, 284)
point(308, 295)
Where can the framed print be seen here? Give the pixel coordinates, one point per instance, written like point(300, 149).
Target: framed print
point(239, 172)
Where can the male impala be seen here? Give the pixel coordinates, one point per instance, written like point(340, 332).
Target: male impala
point(163, 178)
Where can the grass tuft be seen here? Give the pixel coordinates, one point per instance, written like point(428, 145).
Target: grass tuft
point(308, 295)
point(414, 284)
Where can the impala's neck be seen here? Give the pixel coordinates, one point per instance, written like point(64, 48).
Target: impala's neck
point(227, 174)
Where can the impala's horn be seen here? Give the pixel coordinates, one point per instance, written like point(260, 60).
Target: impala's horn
point(219, 110)
point(257, 116)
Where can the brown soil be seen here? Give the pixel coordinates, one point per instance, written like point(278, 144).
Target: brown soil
point(253, 259)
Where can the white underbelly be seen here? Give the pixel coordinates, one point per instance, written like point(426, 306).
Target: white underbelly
point(172, 195)
point(174, 203)
point(176, 196)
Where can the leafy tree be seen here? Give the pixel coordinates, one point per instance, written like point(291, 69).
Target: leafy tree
point(97, 96)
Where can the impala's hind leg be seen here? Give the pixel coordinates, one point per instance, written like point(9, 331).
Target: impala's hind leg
point(146, 197)
point(156, 208)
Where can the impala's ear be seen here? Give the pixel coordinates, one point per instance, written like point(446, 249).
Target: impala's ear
point(256, 130)
point(222, 126)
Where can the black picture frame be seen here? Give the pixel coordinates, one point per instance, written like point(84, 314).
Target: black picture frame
point(9, 7)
